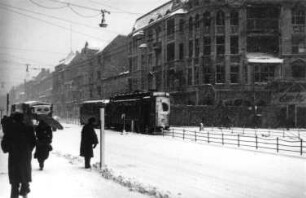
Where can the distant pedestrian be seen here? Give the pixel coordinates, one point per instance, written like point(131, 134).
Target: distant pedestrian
point(19, 139)
point(89, 141)
point(43, 142)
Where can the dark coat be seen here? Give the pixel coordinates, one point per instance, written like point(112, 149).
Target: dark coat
point(43, 142)
point(20, 140)
point(88, 139)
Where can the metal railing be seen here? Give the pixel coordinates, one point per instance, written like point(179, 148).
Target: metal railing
point(287, 142)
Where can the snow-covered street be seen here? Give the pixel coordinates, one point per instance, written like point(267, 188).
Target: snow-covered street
point(168, 166)
point(64, 179)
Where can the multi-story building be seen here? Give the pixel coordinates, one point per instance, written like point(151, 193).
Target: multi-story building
point(110, 74)
point(211, 51)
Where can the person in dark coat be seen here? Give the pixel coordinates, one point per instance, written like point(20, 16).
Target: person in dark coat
point(20, 141)
point(43, 142)
point(89, 141)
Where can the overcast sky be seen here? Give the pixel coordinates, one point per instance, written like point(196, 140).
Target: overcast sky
point(42, 32)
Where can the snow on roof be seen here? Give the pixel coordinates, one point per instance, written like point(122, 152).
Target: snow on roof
point(68, 58)
point(179, 11)
point(262, 58)
point(153, 16)
point(96, 101)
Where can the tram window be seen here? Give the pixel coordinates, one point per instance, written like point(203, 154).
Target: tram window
point(165, 106)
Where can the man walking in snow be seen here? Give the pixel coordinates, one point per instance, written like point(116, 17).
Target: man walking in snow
point(19, 141)
point(89, 141)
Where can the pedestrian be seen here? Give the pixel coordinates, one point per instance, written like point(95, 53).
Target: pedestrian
point(43, 143)
point(20, 141)
point(89, 141)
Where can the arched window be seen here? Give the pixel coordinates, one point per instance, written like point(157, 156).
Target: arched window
point(298, 69)
point(206, 19)
point(220, 18)
point(234, 17)
point(207, 22)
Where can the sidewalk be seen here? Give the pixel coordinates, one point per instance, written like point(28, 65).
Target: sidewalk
point(62, 179)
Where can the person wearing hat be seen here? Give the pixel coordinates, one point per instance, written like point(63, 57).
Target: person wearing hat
point(89, 141)
point(20, 142)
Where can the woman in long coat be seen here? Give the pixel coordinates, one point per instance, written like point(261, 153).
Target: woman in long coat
point(89, 141)
point(43, 144)
point(20, 142)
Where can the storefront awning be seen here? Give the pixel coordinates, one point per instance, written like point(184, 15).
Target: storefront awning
point(262, 58)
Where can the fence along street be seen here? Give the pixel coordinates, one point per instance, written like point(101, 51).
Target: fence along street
point(270, 140)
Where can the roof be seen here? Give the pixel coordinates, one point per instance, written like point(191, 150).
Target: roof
point(262, 58)
point(153, 16)
point(68, 58)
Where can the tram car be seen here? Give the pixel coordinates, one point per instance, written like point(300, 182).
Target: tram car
point(143, 112)
point(32, 108)
point(91, 108)
point(36, 110)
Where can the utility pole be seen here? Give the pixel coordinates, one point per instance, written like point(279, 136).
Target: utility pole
point(7, 104)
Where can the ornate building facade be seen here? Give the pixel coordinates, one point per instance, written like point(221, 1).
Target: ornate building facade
point(213, 51)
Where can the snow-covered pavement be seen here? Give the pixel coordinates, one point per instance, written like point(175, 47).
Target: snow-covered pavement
point(187, 169)
point(170, 167)
point(63, 178)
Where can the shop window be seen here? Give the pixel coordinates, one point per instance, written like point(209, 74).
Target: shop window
point(298, 69)
point(298, 45)
point(263, 72)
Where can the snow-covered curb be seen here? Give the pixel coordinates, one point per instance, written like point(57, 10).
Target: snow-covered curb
point(109, 174)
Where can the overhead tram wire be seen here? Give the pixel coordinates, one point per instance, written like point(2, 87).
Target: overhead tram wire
point(122, 11)
point(55, 17)
point(81, 15)
point(46, 7)
point(76, 5)
point(47, 22)
point(34, 50)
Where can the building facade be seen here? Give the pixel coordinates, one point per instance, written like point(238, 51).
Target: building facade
point(219, 51)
